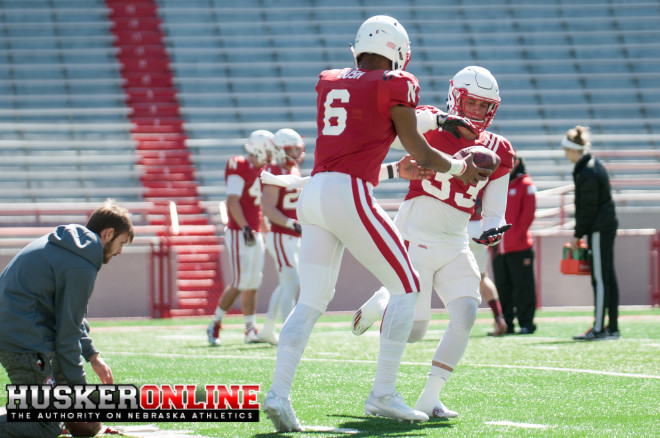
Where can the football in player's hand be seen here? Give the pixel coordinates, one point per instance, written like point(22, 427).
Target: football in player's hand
point(483, 157)
point(83, 429)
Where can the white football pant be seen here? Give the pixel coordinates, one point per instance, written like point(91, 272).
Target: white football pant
point(246, 262)
point(338, 211)
point(285, 250)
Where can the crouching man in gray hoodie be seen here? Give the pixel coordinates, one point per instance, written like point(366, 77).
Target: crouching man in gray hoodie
point(44, 292)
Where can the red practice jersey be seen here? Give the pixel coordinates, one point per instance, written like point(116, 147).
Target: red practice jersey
point(520, 209)
point(355, 128)
point(251, 197)
point(287, 199)
point(451, 190)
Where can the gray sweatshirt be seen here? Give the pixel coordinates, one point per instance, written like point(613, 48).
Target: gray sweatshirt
point(44, 293)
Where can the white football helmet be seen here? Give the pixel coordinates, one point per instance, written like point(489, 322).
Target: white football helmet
point(477, 83)
point(289, 146)
point(383, 36)
point(260, 145)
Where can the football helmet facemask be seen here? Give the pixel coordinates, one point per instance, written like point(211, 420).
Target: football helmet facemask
point(476, 83)
point(260, 145)
point(385, 36)
point(289, 146)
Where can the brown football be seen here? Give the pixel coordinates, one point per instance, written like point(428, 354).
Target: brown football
point(83, 429)
point(483, 157)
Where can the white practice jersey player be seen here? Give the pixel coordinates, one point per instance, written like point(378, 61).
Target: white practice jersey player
point(434, 216)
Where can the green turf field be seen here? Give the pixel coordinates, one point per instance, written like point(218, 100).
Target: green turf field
point(540, 385)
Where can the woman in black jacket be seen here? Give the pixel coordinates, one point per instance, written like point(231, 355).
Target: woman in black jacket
point(595, 217)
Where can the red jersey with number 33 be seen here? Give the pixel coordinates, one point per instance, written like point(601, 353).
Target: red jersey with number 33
point(355, 128)
point(451, 190)
point(250, 199)
point(287, 199)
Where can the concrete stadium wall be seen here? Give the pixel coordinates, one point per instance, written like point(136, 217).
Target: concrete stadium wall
point(631, 259)
point(356, 284)
point(122, 286)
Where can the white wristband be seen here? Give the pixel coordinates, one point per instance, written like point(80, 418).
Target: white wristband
point(289, 223)
point(457, 167)
point(388, 171)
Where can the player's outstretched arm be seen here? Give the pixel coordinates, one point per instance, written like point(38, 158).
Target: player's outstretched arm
point(406, 168)
point(409, 169)
point(472, 174)
point(405, 123)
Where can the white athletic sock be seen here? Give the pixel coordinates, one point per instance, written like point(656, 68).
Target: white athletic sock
point(395, 330)
point(293, 339)
point(219, 313)
point(434, 384)
point(389, 360)
point(249, 321)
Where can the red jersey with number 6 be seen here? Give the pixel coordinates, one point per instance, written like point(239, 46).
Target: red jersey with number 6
point(250, 199)
point(287, 200)
point(451, 190)
point(355, 128)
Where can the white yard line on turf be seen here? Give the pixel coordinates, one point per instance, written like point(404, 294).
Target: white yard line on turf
point(570, 370)
point(143, 431)
point(151, 431)
point(331, 429)
point(512, 424)
point(373, 362)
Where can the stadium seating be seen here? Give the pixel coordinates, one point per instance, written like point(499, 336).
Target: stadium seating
point(167, 173)
point(64, 135)
point(91, 113)
point(144, 101)
point(241, 68)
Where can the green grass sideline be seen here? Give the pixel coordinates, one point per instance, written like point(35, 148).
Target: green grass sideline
point(541, 385)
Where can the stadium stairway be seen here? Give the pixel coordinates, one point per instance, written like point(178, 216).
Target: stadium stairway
point(167, 172)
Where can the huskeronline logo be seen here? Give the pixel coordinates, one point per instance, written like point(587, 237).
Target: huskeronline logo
point(210, 403)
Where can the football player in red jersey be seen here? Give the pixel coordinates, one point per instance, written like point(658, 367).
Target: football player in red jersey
point(243, 239)
point(283, 240)
point(359, 113)
point(433, 221)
